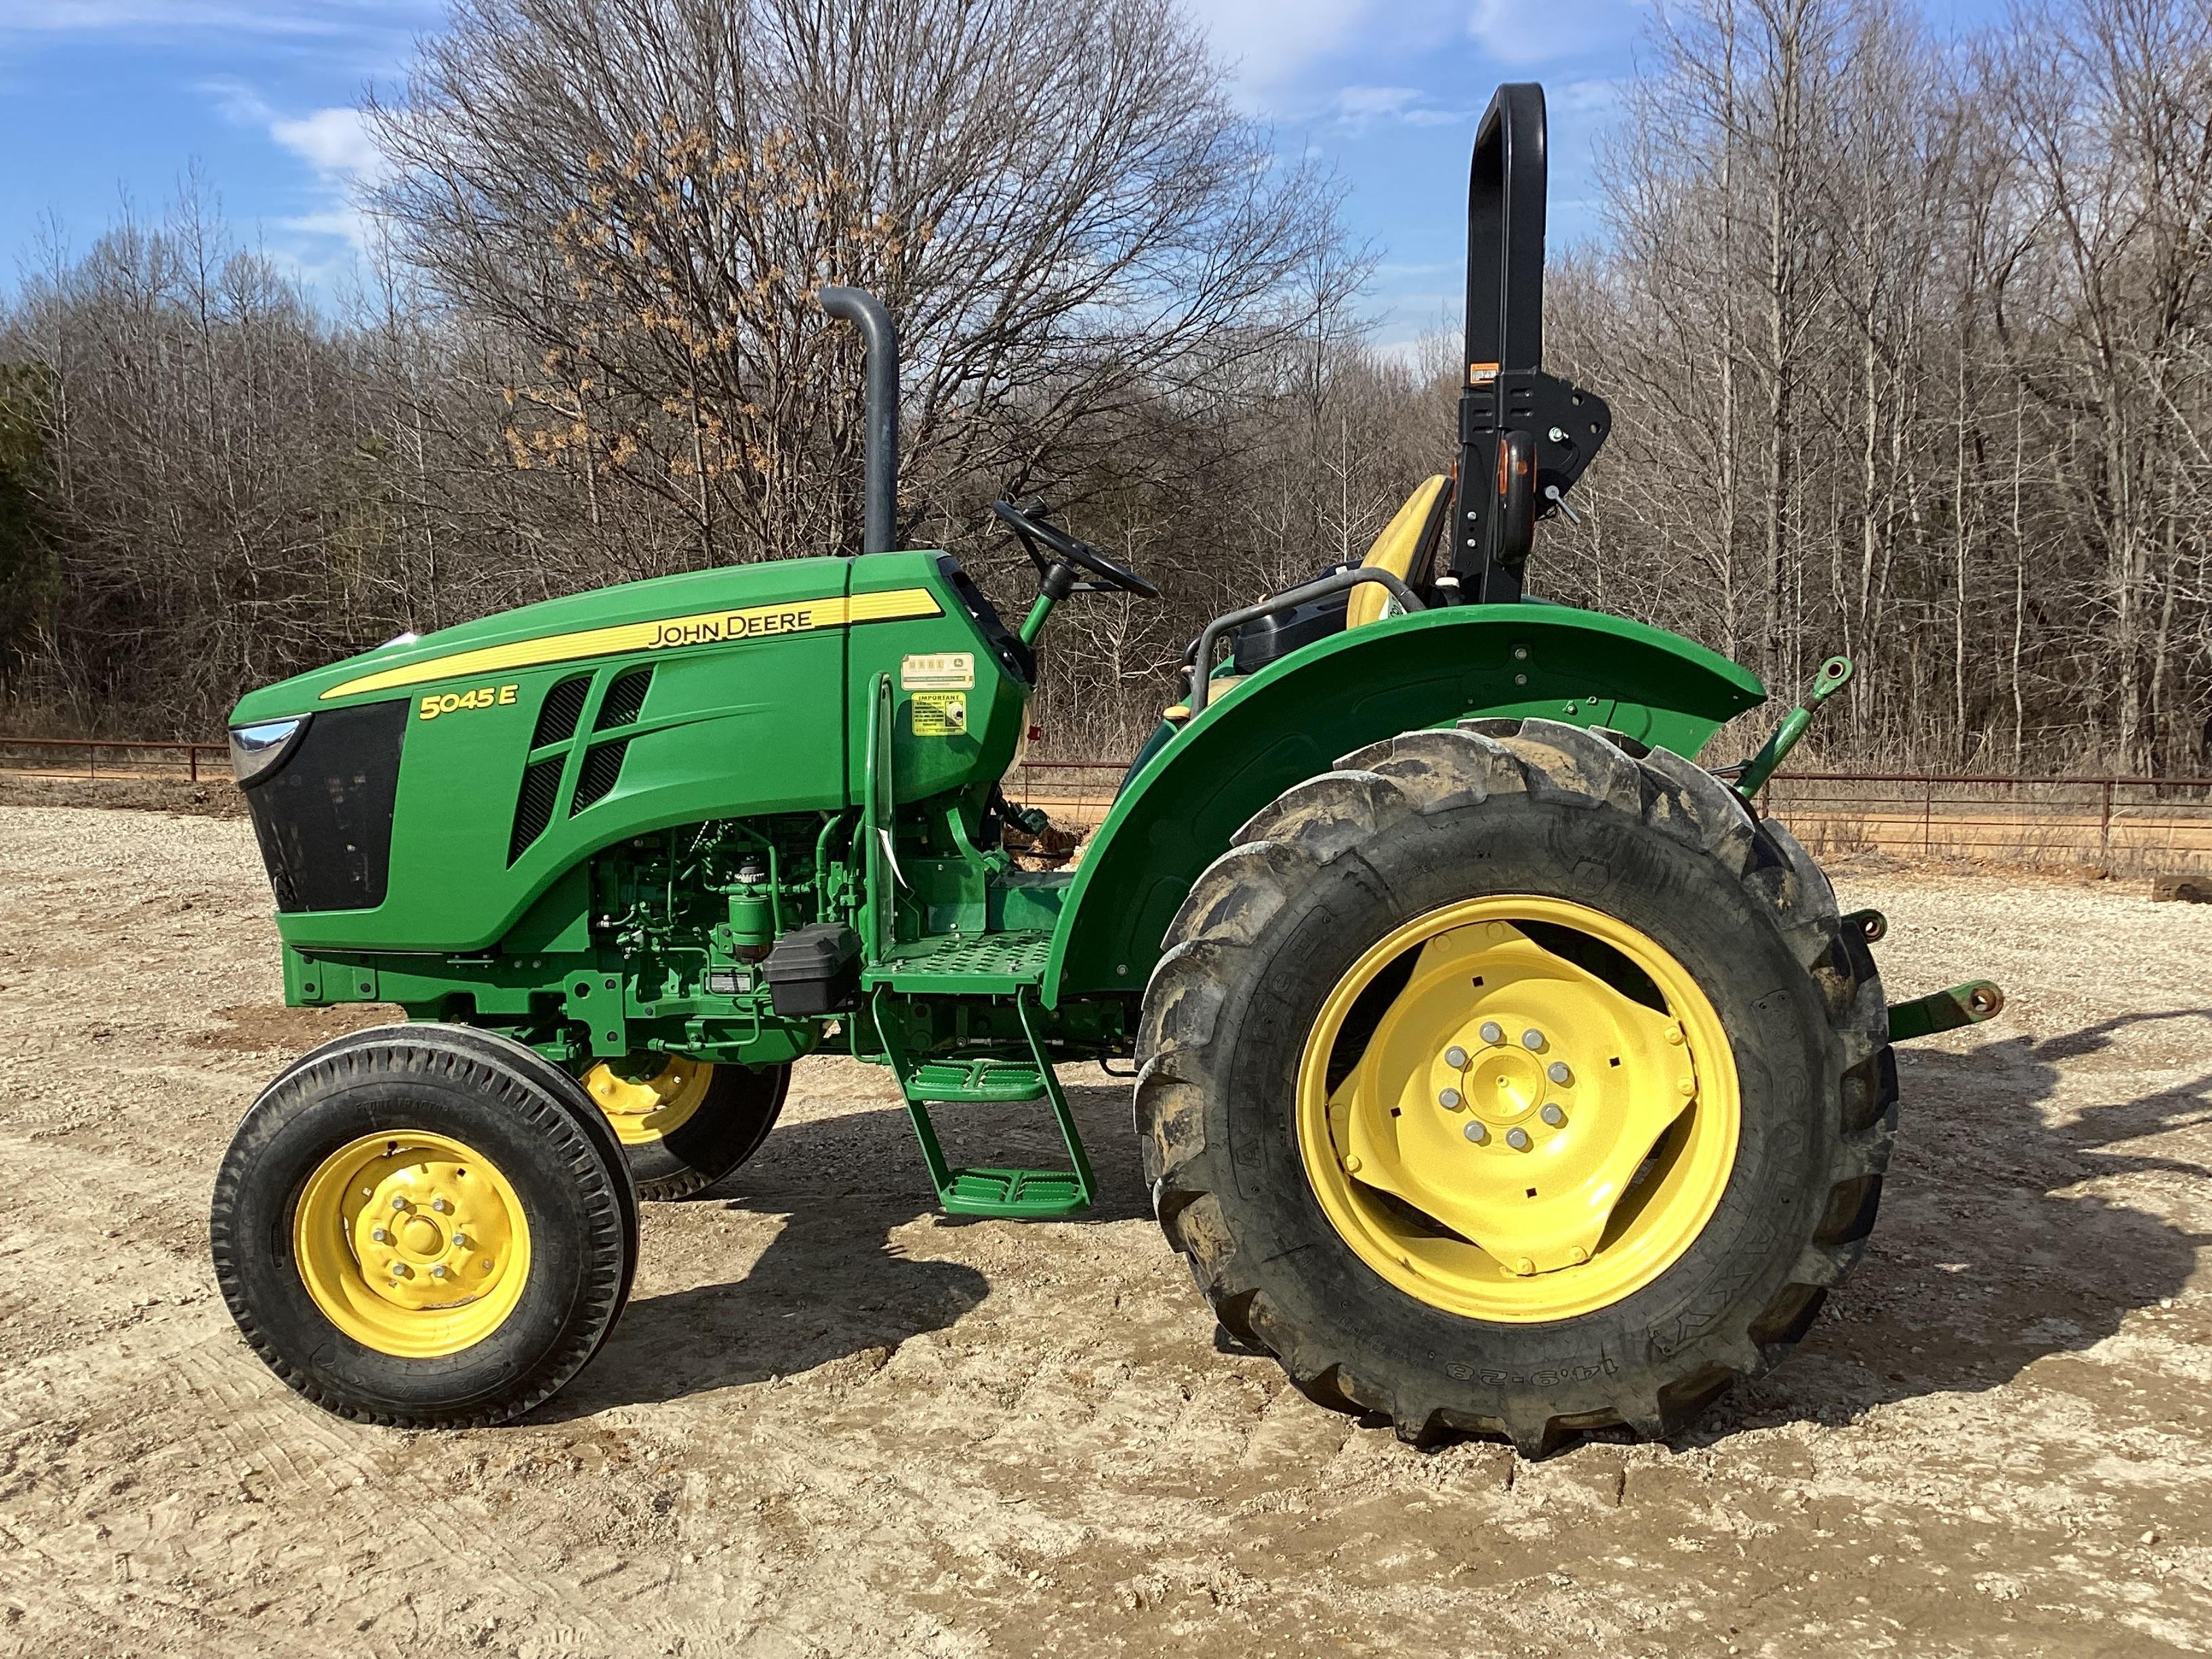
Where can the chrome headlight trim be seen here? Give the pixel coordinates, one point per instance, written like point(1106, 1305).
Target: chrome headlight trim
point(257, 751)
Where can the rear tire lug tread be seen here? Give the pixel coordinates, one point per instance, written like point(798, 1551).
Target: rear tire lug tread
point(1425, 772)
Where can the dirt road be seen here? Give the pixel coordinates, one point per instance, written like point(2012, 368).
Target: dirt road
point(834, 1424)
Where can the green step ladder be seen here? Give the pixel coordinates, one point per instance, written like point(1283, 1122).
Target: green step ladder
point(1021, 1194)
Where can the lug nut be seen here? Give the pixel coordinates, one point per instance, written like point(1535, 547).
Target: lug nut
point(438, 1272)
point(1492, 1032)
point(1688, 1085)
point(1557, 1071)
point(440, 1205)
point(380, 1236)
point(1532, 1038)
point(460, 1240)
point(1552, 1115)
point(1455, 1057)
point(1518, 1140)
point(401, 1270)
point(1450, 1100)
point(1475, 1132)
point(399, 1203)
point(1523, 1266)
point(1675, 1035)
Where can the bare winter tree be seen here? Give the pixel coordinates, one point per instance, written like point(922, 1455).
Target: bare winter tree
point(644, 195)
point(1910, 350)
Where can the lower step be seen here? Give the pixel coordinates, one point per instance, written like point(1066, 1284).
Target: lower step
point(1026, 1192)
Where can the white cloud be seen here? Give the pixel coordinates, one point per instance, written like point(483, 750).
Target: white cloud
point(1375, 100)
point(334, 142)
point(1271, 42)
point(1355, 109)
point(311, 18)
point(1512, 34)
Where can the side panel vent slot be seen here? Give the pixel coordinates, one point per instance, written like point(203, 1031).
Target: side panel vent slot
point(624, 698)
point(556, 716)
point(601, 768)
point(533, 804)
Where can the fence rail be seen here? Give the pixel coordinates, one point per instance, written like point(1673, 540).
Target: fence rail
point(140, 757)
point(2112, 820)
point(2034, 818)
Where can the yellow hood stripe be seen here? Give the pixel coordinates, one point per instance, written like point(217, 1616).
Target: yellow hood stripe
point(664, 633)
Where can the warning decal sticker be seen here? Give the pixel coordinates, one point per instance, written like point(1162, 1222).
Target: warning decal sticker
point(939, 713)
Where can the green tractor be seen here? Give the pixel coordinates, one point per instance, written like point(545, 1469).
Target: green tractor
point(1499, 1070)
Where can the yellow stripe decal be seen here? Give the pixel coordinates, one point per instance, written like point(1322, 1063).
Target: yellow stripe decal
point(705, 628)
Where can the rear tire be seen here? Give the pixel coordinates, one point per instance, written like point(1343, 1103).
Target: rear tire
point(1551, 817)
point(509, 1209)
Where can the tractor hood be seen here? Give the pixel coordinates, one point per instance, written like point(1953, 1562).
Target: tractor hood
point(699, 607)
point(424, 795)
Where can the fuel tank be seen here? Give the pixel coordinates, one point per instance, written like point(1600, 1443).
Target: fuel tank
point(423, 796)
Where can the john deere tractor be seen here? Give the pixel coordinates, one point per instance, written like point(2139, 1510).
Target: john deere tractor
point(1500, 1071)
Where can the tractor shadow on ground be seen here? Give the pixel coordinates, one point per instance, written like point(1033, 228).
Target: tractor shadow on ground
point(1983, 1262)
point(833, 1282)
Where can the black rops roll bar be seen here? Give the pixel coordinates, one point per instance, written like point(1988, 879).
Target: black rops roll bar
point(879, 449)
point(1525, 436)
point(1506, 182)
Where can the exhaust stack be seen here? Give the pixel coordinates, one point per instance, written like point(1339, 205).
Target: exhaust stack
point(880, 449)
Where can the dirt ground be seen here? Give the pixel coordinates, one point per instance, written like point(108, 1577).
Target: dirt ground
point(833, 1423)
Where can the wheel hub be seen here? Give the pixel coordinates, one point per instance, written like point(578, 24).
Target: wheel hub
point(654, 1105)
point(411, 1244)
point(430, 1232)
point(1519, 1103)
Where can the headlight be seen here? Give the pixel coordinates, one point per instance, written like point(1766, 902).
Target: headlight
point(257, 750)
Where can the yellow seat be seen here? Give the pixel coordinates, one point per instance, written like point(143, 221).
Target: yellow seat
point(1404, 539)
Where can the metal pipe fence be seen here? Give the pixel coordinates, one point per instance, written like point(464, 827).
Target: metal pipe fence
point(129, 757)
point(2031, 819)
point(2113, 822)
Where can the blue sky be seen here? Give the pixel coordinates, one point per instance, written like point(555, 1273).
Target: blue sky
point(105, 101)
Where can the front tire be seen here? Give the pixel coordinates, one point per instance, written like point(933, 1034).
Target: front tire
point(420, 1229)
point(1515, 929)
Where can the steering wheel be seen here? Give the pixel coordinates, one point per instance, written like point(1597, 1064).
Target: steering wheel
point(1079, 554)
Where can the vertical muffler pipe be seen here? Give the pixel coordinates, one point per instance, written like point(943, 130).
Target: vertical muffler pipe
point(880, 451)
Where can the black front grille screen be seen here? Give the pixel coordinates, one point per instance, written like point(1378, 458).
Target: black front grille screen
point(324, 818)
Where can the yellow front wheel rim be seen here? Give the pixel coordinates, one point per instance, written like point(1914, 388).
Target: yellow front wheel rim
point(653, 1106)
point(412, 1244)
point(1521, 1139)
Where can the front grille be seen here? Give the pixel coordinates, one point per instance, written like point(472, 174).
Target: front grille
point(601, 768)
point(534, 805)
point(624, 699)
point(324, 816)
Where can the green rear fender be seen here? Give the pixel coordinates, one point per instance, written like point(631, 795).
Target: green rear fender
point(1295, 718)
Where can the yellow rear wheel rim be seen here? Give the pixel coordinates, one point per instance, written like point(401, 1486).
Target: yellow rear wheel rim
point(412, 1244)
point(655, 1104)
point(1520, 1139)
